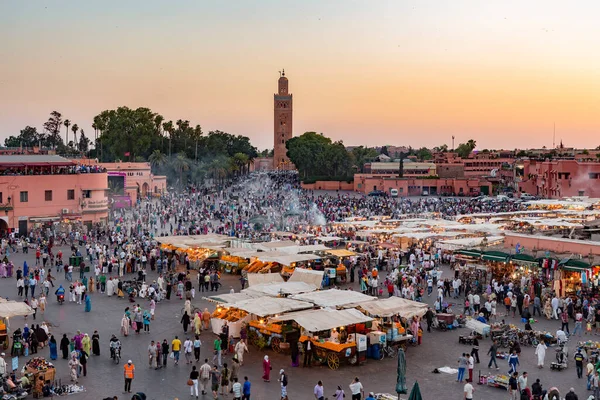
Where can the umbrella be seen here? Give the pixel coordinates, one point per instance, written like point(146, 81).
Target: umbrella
point(415, 393)
point(401, 380)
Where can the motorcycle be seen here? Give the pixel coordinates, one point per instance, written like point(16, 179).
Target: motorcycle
point(60, 298)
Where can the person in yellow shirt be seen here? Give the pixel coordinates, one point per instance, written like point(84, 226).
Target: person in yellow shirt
point(175, 348)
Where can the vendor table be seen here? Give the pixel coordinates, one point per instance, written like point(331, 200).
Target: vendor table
point(331, 353)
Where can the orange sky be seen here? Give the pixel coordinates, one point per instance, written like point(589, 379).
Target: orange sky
point(404, 73)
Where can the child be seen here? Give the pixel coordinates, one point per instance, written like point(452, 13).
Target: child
point(420, 336)
point(588, 328)
point(231, 345)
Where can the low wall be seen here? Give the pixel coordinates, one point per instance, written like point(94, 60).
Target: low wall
point(556, 245)
point(328, 185)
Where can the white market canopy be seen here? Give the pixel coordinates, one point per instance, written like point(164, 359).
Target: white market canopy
point(324, 319)
point(308, 276)
point(266, 306)
point(394, 306)
point(334, 297)
point(9, 309)
point(328, 238)
point(455, 244)
point(227, 298)
point(210, 241)
point(277, 289)
point(260, 279)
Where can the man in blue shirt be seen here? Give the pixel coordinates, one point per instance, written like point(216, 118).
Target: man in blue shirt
point(246, 389)
point(371, 396)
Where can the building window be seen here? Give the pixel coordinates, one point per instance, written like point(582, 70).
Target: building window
point(48, 195)
point(24, 197)
point(0, 197)
point(71, 194)
point(87, 194)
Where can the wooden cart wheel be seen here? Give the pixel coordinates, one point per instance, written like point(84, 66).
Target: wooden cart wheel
point(275, 344)
point(333, 361)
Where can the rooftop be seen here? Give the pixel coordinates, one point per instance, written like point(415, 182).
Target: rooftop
point(39, 160)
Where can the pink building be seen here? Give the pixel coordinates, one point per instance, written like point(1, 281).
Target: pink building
point(559, 178)
point(135, 180)
point(43, 189)
point(416, 187)
point(552, 244)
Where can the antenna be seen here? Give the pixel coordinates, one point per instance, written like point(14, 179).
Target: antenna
point(554, 137)
point(453, 143)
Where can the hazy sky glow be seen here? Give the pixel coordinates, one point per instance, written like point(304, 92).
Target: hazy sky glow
point(365, 72)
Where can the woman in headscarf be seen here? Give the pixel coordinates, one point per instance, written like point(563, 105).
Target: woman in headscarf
point(125, 325)
point(25, 268)
point(86, 343)
point(188, 307)
point(88, 303)
point(96, 344)
point(91, 285)
point(26, 332)
point(64, 346)
point(206, 318)
point(41, 334)
point(73, 365)
point(197, 324)
point(53, 348)
point(266, 369)
point(77, 340)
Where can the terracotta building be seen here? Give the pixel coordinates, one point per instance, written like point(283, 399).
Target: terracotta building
point(366, 183)
point(554, 179)
point(282, 103)
point(137, 182)
point(36, 190)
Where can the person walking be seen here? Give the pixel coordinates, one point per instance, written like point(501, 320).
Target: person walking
point(540, 351)
point(462, 366)
point(129, 374)
point(471, 366)
point(492, 353)
point(188, 348)
point(224, 379)
point(164, 350)
point(205, 371)
point(246, 389)
point(176, 347)
point(308, 353)
point(217, 351)
point(194, 375)
point(513, 387)
point(151, 353)
point(236, 389)
point(240, 348)
point(579, 358)
point(283, 379)
point(197, 345)
point(356, 389)
point(468, 391)
point(266, 369)
point(318, 391)
point(475, 349)
point(215, 377)
point(513, 362)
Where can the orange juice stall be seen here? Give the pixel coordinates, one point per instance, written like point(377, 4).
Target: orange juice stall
point(197, 248)
point(333, 334)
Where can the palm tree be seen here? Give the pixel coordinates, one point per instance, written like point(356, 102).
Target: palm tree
point(168, 127)
point(67, 123)
point(239, 161)
point(181, 164)
point(472, 144)
point(157, 159)
point(75, 128)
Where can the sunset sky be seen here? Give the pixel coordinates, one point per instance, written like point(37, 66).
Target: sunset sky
point(365, 72)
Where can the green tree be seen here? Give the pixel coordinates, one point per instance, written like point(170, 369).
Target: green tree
point(181, 164)
point(53, 126)
point(67, 123)
point(84, 143)
point(441, 149)
point(424, 154)
point(240, 161)
point(157, 159)
point(362, 155)
point(28, 137)
point(464, 149)
point(75, 128)
point(316, 156)
point(384, 150)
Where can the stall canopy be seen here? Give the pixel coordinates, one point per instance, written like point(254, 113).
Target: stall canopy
point(309, 276)
point(230, 298)
point(394, 306)
point(328, 238)
point(341, 253)
point(9, 309)
point(265, 306)
point(334, 297)
point(570, 264)
point(325, 319)
point(495, 256)
point(469, 253)
point(258, 279)
point(524, 259)
point(279, 289)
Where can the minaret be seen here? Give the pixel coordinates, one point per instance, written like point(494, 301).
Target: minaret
point(282, 102)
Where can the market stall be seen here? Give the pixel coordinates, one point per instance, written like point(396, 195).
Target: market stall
point(36, 368)
point(9, 309)
point(334, 298)
point(336, 335)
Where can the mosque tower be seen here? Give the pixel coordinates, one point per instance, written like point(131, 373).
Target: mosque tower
point(282, 102)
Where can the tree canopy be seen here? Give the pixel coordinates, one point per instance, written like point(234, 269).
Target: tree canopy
point(317, 157)
point(464, 149)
